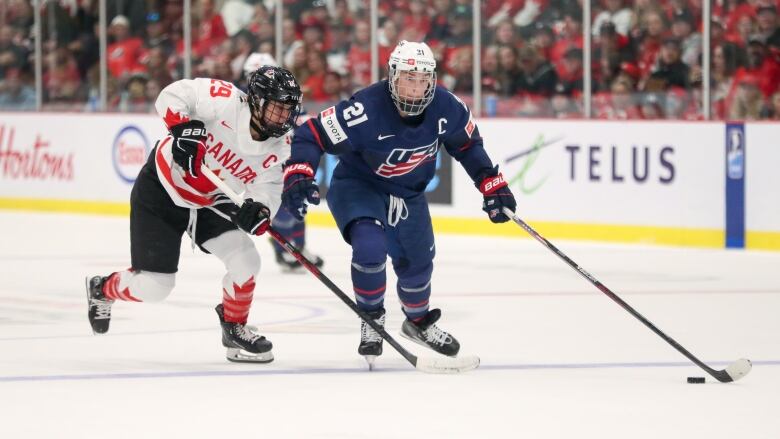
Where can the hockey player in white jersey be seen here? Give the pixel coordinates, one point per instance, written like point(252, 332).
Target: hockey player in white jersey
point(243, 138)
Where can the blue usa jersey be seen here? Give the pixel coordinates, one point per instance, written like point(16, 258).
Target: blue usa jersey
point(397, 155)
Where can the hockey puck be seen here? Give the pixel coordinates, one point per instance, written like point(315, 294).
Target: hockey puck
point(695, 380)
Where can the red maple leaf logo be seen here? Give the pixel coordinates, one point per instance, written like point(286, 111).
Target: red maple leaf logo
point(172, 119)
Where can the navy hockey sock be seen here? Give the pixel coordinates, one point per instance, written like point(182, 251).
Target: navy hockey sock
point(369, 254)
point(414, 290)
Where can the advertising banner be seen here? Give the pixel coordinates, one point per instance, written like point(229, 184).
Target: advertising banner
point(74, 157)
point(762, 186)
point(658, 174)
point(663, 181)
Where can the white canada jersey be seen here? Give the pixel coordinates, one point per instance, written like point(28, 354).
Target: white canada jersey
point(246, 165)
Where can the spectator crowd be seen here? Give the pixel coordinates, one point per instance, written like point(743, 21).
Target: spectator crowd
point(646, 59)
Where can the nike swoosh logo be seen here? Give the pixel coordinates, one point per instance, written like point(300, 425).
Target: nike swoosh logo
point(225, 125)
point(381, 137)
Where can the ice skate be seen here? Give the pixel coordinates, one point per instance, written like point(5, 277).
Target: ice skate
point(370, 340)
point(98, 306)
point(243, 345)
point(290, 264)
point(426, 333)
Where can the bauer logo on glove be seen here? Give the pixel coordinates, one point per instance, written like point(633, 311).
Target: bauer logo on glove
point(497, 195)
point(188, 148)
point(492, 184)
point(194, 132)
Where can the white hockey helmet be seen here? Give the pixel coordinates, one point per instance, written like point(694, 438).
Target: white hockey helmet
point(256, 60)
point(417, 59)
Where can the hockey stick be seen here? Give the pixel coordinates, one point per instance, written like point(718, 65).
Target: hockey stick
point(424, 364)
point(733, 372)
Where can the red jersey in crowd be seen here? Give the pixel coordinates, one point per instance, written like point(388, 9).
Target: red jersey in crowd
point(359, 60)
point(210, 33)
point(123, 57)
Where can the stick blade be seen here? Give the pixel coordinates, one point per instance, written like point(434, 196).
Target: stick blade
point(447, 364)
point(739, 368)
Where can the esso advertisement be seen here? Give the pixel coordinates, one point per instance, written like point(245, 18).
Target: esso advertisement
point(130, 150)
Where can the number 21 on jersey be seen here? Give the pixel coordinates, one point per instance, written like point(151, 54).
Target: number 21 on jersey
point(354, 114)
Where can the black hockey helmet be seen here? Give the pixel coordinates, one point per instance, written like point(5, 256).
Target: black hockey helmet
point(269, 83)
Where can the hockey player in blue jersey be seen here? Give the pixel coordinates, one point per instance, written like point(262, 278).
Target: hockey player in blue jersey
point(387, 137)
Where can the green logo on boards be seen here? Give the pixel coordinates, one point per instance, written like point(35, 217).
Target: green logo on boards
point(531, 154)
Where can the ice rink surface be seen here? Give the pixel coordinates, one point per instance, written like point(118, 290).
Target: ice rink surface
point(559, 358)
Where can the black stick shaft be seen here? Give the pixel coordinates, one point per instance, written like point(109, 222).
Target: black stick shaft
point(411, 358)
point(717, 374)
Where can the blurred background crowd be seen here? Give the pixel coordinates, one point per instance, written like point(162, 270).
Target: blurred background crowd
point(646, 57)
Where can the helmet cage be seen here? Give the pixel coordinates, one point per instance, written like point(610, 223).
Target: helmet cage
point(404, 100)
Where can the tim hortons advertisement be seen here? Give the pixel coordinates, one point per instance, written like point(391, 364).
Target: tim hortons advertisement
point(632, 173)
point(74, 157)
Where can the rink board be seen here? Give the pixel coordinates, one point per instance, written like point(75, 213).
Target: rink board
point(648, 182)
point(762, 183)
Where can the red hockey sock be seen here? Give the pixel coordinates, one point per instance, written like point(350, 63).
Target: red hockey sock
point(111, 288)
point(237, 305)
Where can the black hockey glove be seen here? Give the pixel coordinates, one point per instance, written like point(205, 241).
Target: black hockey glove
point(188, 147)
point(253, 217)
point(496, 195)
point(299, 189)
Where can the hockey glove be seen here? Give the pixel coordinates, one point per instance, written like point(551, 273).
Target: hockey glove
point(299, 189)
point(496, 195)
point(188, 147)
point(253, 217)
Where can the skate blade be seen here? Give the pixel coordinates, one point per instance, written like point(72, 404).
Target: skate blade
point(370, 359)
point(240, 356)
point(98, 333)
point(86, 289)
